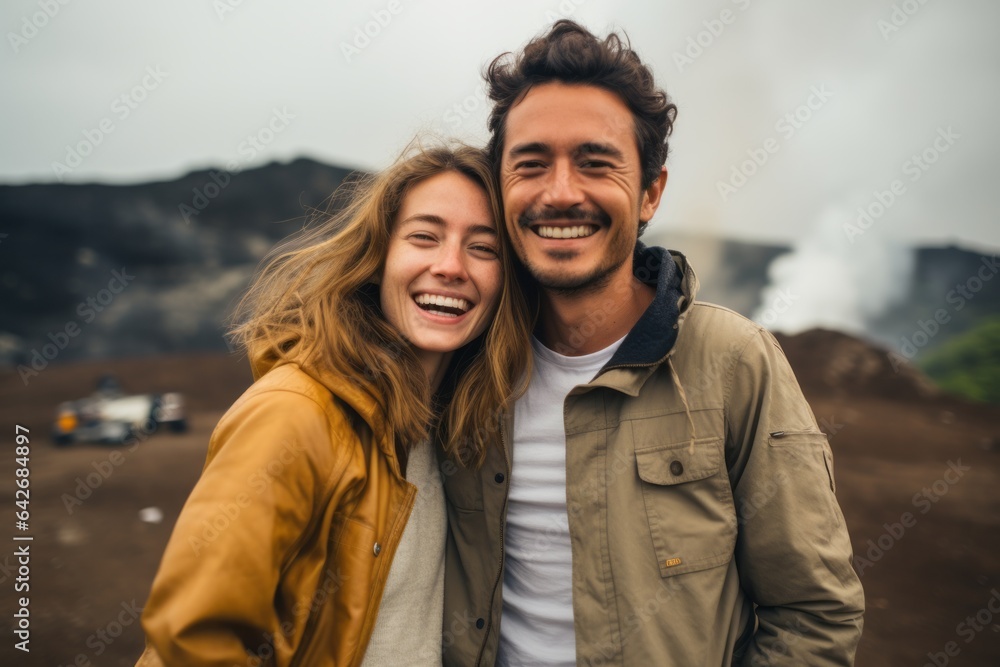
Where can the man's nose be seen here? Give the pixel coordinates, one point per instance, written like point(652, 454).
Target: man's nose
point(562, 190)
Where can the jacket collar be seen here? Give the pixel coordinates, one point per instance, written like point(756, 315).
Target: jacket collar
point(654, 334)
point(652, 339)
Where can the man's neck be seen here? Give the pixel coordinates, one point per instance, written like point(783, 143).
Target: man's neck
point(580, 324)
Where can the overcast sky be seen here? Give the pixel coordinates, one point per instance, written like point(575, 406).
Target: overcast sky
point(200, 77)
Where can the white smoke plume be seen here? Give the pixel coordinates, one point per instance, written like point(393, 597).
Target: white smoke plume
point(829, 282)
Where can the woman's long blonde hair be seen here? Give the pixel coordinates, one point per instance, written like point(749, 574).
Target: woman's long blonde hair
point(315, 303)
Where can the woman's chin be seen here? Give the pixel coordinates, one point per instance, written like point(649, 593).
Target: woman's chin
point(431, 346)
point(432, 340)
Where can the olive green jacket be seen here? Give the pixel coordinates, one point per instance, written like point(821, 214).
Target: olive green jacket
point(700, 496)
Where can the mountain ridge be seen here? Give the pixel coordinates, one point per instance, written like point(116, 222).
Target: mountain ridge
point(192, 244)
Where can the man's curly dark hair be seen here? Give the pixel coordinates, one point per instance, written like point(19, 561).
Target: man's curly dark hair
point(569, 53)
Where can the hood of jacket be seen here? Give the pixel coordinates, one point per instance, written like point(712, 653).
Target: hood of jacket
point(347, 391)
point(654, 334)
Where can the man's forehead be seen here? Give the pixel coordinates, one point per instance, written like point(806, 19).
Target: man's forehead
point(571, 114)
point(556, 96)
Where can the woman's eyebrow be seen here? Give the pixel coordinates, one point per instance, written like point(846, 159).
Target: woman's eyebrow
point(424, 217)
point(482, 229)
point(438, 220)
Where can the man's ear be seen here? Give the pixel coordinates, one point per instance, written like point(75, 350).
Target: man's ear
point(651, 196)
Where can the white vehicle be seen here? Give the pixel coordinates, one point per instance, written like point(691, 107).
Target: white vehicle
point(112, 416)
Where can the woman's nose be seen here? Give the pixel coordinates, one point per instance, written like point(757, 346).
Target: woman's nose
point(450, 263)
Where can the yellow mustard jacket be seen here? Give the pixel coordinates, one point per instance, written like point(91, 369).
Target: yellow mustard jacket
point(282, 551)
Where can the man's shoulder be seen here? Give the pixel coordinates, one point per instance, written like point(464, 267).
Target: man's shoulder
point(714, 334)
point(715, 325)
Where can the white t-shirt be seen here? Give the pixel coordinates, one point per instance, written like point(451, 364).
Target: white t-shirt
point(537, 623)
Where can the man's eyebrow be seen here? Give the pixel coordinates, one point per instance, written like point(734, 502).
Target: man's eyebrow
point(438, 220)
point(597, 148)
point(587, 148)
point(532, 148)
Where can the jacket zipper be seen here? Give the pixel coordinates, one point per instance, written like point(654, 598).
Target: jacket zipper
point(393, 539)
point(503, 515)
point(310, 628)
point(680, 320)
point(782, 434)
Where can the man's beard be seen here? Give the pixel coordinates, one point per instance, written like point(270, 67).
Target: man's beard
point(569, 285)
point(563, 283)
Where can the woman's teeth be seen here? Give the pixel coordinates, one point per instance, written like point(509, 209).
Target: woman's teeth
point(442, 305)
point(565, 232)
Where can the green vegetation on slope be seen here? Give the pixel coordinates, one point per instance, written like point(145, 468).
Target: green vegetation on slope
point(969, 365)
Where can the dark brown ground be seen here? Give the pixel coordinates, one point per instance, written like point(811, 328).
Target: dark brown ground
point(87, 564)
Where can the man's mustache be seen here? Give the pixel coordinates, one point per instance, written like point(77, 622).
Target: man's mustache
point(575, 214)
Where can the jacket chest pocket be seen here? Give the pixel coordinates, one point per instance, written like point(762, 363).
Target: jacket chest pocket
point(463, 488)
point(689, 505)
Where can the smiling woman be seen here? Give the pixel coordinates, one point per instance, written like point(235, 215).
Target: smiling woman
point(392, 324)
point(442, 270)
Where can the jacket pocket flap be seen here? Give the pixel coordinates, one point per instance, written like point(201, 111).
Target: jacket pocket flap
point(351, 533)
point(666, 465)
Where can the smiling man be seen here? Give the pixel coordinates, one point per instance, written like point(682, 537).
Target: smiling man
point(663, 495)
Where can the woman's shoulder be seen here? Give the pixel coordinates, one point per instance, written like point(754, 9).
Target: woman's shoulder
point(289, 379)
point(288, 395)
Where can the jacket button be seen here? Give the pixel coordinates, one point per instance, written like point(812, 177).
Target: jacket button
point(480, 623)
point(676, 467)
point(498, 478)
point(377, 549)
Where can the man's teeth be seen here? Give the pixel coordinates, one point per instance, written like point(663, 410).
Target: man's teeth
point(444, 302)
point(566, 232)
